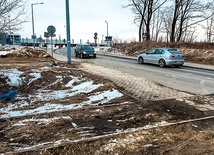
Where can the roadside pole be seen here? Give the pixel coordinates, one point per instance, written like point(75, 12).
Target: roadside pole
point(51, 30)
point(144, 37)
point(51, 46)
point(68, 31)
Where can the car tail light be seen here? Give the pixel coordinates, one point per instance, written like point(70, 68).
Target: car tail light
point(172, 56)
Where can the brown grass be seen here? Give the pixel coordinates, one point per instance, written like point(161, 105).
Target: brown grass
point(200, 52)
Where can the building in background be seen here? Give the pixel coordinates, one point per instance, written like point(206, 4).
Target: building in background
point(13, 39)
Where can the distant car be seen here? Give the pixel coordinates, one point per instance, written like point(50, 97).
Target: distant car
point(82, 50)
point(162, 57)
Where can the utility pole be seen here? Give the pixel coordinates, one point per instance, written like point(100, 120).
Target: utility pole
point(33, 37)
point(107, 33)
point(68, 31)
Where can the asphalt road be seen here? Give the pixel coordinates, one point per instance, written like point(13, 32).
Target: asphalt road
point(191, 80)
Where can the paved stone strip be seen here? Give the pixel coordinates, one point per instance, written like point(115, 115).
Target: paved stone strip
point(141, 88)
point(204, 103)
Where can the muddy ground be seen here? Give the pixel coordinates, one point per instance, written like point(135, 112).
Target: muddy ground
point(124, 125)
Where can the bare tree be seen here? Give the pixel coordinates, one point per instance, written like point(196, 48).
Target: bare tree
point(186, 14)
point(144, 9)
point(11, 12)
point(139, 9)
point(167, 21)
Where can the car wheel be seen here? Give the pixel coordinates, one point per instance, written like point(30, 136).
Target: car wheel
point(161, 63)
point(94, 56)
point(140, 60)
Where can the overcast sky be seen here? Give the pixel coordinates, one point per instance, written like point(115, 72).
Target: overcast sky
point(86, 18)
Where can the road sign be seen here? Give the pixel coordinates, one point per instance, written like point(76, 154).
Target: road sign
point(144, 35)
point(108, 38)
point(46, 35)
point(33, 37)
point(51, 30)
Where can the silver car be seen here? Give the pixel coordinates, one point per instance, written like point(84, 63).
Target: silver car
point(162, 57)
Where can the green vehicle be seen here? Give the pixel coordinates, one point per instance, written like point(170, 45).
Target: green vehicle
point(83, 51)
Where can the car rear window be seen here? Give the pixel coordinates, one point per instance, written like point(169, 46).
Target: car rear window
point(174, 51)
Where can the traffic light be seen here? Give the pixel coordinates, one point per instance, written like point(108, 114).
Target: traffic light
point(95, 35)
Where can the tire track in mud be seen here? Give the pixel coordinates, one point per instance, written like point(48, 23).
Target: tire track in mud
point(140, 88)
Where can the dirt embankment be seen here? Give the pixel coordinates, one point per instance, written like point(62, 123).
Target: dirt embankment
point(202, 53)
point(25, 53)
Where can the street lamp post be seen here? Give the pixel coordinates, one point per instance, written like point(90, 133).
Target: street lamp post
point(68, 31)
point(33, 21)
point(59, 39)
point(107, 33)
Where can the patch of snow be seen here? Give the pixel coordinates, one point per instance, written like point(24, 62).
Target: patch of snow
point(40, 121)
point(98, 110)
point(4, 52)
point(83, 86)
point(47, 108)
point(35, 75)
point(194, 125)
point(47, 95)
point(148, 145)
point(105, 96)
point(14, 76)
point(70, 83)
point(149, 126)
point(10, 111)
point(74, 125)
